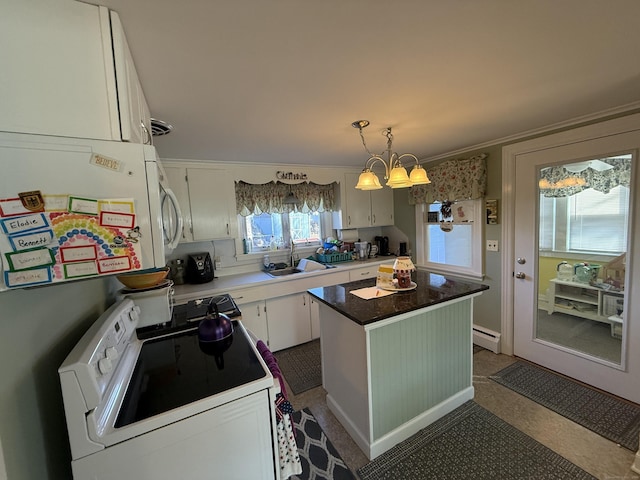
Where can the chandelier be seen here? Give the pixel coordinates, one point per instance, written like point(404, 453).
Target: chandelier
point(395, 174)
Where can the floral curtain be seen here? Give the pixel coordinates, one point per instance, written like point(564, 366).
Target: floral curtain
point(453, 180)
point(269, 197)
point(557, 181)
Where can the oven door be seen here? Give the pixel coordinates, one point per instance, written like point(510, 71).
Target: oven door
point(232, 441)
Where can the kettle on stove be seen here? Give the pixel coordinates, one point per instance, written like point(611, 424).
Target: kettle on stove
point(216, 326)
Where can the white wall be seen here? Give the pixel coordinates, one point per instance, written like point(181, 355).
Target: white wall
point(38, 328)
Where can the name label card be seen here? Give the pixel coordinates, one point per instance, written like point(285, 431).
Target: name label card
point(31, 240)
point(30, 259)
point(85, 206)
point(80, 269)
point(24, 224)
point(114, 264)
point(78, 254)
point(27, 278)
point(120, 220)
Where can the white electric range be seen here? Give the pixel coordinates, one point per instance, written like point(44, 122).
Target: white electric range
point(167, 406)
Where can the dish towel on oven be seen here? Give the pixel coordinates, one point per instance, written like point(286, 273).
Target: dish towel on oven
point(287, 449)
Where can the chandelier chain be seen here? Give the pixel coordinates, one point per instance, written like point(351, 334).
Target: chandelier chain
point(387, 133)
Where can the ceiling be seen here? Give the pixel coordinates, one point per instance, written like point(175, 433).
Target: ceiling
point(281, 81)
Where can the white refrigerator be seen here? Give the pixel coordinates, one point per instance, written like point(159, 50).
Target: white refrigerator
point(74, 209)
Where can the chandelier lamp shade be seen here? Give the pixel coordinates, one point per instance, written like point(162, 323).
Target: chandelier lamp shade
point(394, 172)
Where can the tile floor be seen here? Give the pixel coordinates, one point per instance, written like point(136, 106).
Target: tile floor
point(600, 457)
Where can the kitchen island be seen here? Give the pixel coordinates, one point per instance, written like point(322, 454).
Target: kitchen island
point(395, 364)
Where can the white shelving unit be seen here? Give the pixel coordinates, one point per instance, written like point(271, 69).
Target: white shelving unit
point(583, 300)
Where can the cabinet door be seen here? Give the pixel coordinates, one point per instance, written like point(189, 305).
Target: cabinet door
point(315, 318)
point(382, 207)
point(289, 321)
point(210, 196)
point(131, 102)
point(57, 76)
point(356, 204)
point(254, 318)
point(177, 178)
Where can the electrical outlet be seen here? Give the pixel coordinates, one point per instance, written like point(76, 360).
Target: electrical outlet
point(492, 245)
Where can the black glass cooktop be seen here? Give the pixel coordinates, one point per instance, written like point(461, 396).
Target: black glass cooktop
point(187, 316)
point(176, 370)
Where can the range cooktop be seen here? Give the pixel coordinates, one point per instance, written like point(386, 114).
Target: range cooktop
point(187, 316)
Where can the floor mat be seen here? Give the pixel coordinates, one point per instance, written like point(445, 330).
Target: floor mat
point(471, 443)
point(301, 366)
point(603, 414)
point(320, 460)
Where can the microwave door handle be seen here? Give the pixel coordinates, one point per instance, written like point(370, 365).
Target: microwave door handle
point(173, 242)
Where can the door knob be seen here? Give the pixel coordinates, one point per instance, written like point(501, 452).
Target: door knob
point(520, 275)
point(521, 260)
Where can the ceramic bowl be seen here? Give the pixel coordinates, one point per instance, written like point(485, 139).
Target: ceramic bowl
point(143, 280)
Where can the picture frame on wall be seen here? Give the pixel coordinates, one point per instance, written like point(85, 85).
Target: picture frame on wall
point(492, 212)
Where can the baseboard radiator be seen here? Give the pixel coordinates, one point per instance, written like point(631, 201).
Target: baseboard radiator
point(486, 338)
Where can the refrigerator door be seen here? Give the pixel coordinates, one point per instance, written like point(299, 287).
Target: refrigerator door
point(73, 209)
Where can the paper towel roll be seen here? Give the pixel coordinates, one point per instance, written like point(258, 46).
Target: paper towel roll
point(350, 235)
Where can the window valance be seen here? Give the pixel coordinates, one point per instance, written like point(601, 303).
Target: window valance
point(453, 180)
point(269, 197)
point(557, 181)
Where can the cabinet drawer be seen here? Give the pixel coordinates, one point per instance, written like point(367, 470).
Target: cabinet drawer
point(363, 272)
point(248, 295)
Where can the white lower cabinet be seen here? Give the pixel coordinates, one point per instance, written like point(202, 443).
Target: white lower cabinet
point(315, 318)
point(254, 319)
point(288, 321)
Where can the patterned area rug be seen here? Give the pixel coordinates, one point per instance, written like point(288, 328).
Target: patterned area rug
point(320, 460)
point(301, 366)
point(603, 414)
point(471, 442)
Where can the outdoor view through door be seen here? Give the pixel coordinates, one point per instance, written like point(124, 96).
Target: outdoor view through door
point(583, 231)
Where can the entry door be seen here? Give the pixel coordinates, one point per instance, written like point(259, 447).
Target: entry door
point(557, 321)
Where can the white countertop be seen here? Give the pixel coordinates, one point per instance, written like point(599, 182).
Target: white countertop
point(231, 283)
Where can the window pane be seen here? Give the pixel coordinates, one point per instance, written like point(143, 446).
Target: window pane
point(305, 227)
point(598, 221)
point(451, 248)
point(261, 228)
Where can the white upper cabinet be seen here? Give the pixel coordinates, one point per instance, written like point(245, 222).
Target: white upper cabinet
point(135, 117)
point(58, 75)
point(207, 200)
point(362, 208)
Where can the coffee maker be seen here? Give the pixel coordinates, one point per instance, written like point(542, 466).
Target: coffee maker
point(383, 246)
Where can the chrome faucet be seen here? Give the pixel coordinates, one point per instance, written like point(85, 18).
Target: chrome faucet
point(292, 254)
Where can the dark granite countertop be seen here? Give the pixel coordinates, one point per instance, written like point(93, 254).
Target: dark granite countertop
point(431, 289)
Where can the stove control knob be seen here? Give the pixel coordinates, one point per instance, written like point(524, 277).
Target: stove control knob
point(133, 314)
point(104, 365)
point(111, 353)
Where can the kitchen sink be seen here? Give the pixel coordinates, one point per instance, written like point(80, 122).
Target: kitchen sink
point(283, 271)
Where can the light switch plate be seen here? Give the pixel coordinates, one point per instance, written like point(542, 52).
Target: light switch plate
point(492, 245)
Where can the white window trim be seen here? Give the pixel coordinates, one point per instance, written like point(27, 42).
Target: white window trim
point(476, 271)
